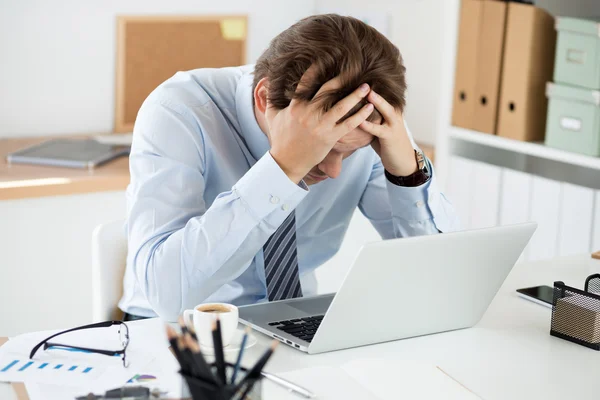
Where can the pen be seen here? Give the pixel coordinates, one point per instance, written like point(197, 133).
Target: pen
point(254, 373)
point(292, 387)
point(238, 363)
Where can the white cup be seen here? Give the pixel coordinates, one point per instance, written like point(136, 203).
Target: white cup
point(202, 317)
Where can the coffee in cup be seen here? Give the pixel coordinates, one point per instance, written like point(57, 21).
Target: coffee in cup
point(213, 308)
point(203, 316)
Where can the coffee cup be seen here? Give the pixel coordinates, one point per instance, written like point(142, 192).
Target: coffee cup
point(202, 317)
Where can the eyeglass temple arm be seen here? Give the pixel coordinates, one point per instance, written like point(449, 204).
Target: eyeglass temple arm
point(107, 352)
point(105, 324)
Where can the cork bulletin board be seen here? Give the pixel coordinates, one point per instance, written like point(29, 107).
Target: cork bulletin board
point(151, 49)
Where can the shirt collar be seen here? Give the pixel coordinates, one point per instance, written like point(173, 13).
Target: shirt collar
point(255, 138)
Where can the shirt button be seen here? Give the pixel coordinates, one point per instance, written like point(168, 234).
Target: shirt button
point(285, 207)
point(419, 204)
point(274, 199)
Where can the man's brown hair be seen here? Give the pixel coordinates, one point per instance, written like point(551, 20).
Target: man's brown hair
point(336, 46)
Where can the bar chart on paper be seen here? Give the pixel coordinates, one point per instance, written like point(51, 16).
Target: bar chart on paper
point(21, 370)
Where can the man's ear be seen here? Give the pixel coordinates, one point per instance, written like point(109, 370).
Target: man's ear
point(261, 92)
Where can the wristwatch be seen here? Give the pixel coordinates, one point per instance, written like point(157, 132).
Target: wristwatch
point(421, 176)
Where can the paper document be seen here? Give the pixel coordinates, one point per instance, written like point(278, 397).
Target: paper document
point(373, 379)
point(326, 382)
point(150, 362)
point(407, 380)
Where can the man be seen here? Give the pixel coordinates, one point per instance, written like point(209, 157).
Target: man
point(219, 205)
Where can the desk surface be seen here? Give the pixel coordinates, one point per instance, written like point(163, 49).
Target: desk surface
point(18, 181)
point(509, 354)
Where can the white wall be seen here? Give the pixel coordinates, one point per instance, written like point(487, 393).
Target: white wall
point(57, 58)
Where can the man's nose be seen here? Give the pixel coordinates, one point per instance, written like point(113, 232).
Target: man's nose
point(331, 165)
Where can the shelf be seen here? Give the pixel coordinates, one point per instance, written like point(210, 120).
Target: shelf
point(528, 148)
point(19, 181)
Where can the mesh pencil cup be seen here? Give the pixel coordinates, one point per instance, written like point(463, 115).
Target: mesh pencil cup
point(576, 313)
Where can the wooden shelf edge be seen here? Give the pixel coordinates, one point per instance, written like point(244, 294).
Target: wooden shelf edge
point(103, 184)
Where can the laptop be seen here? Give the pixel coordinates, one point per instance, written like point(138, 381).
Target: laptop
point(71, 153)
point(398, 289)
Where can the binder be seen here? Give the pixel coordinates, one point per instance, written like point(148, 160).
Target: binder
point(466, 63)
point(489, 62)
point(528, 65)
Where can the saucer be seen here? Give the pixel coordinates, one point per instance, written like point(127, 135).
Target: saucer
point(234, 345)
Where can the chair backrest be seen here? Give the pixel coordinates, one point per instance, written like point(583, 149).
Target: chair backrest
point(109, 257)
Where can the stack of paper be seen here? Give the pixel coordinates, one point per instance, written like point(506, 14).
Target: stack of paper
point(373, 379)
point(69, 374)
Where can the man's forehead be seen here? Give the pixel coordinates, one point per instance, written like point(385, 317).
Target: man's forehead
point(353, 141)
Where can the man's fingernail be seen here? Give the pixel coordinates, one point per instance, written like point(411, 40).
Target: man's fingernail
point(375, 95)
point(369, 107)
point(364, 87)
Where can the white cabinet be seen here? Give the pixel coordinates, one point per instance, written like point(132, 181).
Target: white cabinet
point(568, 215)
point(545, 210)
point(45, 268)
point(576, 211)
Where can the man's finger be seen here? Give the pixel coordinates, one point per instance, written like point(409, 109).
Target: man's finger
point(354, 121)
point(374, 129)
point(330, 85)
point(385, 109)
point(309, 76)
point(342, 107)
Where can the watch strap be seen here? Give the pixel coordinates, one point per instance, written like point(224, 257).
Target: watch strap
point(421, 176)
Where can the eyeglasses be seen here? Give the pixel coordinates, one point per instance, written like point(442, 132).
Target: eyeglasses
point(123, 336)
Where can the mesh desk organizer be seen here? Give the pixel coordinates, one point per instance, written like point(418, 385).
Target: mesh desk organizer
point(576, 313)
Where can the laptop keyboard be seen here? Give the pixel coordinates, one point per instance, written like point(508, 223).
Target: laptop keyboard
point(302, 328)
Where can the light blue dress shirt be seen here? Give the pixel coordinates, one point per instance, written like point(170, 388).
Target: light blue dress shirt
point(205, 195)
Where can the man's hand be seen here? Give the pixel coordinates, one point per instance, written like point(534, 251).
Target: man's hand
point(302, 135)
point(392, 142)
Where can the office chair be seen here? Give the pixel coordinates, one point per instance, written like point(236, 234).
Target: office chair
point(109, 256)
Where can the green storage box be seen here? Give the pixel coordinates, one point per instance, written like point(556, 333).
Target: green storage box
point(578, 53)
point(573, 121)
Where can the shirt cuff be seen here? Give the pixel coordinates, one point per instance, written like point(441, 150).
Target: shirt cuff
point(266, 189)
point(410, 203)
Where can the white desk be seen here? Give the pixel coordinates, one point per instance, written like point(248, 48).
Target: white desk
point(508, 355)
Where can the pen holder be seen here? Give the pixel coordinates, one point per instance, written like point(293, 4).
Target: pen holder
point(576, 313)
point(201, 389)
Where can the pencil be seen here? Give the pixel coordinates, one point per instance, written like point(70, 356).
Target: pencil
point(238, 363)
point(249, 387)
point(172, 336)
point(186, 365)
point(201, 365)
point(218, 346)
point(192, 332)
point(254, 373)
point(182, 325)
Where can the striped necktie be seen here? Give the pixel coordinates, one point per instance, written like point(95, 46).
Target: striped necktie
point(281, 262)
